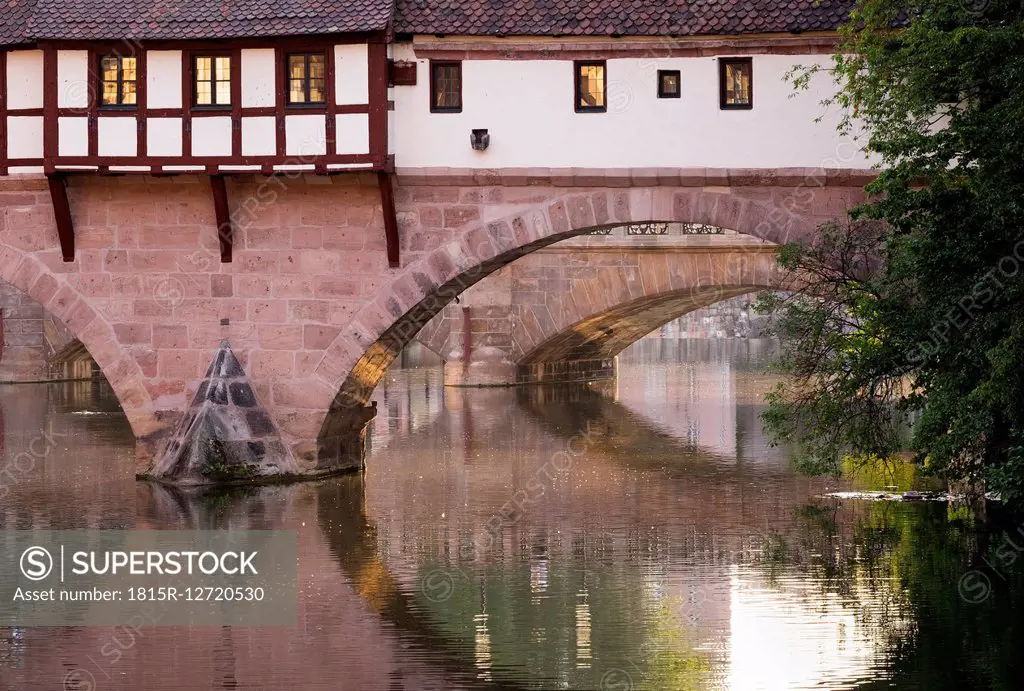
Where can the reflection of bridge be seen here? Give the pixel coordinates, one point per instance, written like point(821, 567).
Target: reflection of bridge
point(577, 566)
point(641, 520)
point(563, 312)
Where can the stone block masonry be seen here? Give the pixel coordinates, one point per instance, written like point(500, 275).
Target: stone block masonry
point(24, 354)
point(310, 307)
point(36, 346)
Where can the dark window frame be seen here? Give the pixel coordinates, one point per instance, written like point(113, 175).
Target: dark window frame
point(306, 79)
point(577, 66)
point(119, 80)
point(662, 75)
point(723, 64)
point(213, 82)
point(434, 65)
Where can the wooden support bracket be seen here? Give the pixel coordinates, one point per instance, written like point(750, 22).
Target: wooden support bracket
point(225, 231)
point(387, 202)
point(62, 214)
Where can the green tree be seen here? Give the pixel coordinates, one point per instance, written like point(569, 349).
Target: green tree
point(911, 313)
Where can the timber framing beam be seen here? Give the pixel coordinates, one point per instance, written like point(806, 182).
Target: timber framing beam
point(225, 231)
point(62, 214)
point(387, 202)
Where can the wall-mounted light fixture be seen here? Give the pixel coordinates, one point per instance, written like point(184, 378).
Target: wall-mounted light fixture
point(479, 139)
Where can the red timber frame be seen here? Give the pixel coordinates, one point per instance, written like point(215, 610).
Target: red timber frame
point(57, 167)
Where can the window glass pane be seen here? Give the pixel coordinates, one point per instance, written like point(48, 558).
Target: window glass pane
point(451, 80)
point(110, 93)
point(670, 84)
point(109, 67)
point(223, 93)
point(296, 66)
point(737, 83)
point(203, 69)
point(224, 68)
point(203, 94)
point(316, 91)
point(591, 86)
point(316, 66)
point(447, 91)
point(128, 68)
point(128, 93)
point(296, 91)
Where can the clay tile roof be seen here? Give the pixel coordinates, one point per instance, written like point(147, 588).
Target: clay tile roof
point(193, 19)
point(625, 17)
point(14, 16)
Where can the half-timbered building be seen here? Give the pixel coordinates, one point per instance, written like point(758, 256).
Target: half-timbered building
point(137, 86)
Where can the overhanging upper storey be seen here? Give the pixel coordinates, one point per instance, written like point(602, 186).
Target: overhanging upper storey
point(148, 86)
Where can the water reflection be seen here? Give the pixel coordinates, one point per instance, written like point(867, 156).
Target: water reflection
point(627, 535)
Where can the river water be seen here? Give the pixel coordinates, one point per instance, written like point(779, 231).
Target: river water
point(636, 534)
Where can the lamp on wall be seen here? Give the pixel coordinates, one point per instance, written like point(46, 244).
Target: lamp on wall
point(479, 139)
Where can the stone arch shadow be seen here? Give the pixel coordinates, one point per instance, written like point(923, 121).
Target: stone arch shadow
point(360, 355)
point(61, 299)
point(586, 349)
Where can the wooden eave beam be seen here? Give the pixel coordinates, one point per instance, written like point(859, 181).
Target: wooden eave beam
point(387, 203)
point(225, 231)
point(62, 214)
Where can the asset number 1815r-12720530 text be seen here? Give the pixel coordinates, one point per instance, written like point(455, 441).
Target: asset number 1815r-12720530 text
point(196, 594)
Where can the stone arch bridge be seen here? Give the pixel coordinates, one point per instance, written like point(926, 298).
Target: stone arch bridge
point(309, 303)
point(564, 312)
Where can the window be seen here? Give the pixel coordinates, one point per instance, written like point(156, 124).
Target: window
point(591, 88)
point(212, 80)
point(306, 79)
point(668, 84)
point(118, 75)
point(445, 87)
point(736, 76)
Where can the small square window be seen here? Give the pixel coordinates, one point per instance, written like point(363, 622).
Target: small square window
point(306, 79)
point(736, 82)
point(591, 87)
point(445, 87)
point(668, 84)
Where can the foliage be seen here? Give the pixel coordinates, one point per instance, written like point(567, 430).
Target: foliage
point(909, 315)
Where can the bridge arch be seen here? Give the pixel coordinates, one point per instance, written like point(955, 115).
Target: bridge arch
point(359, 356)
point(63, 300)
point(607, 310)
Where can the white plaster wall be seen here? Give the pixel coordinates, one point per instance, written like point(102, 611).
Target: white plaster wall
point(352, 133)
point(163, 136)
point(259, 136)
point(72, 79)
point(25, 79)
point(258, 77)
point(351, 74)
point(305, 135)
point(163, 78)
point(73, 136)
point(117, 137)
point(211, 136)
point(25, 137)
point(527, 106)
